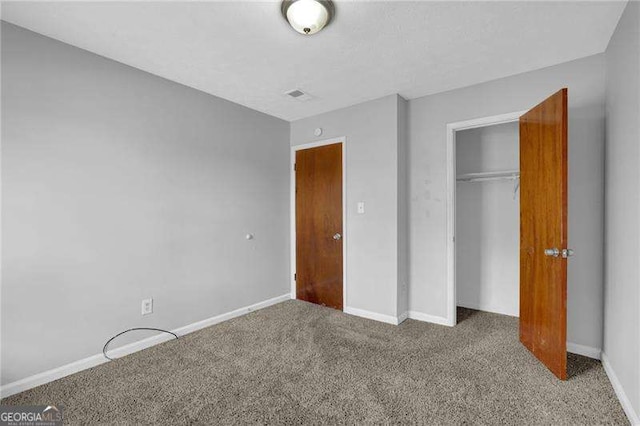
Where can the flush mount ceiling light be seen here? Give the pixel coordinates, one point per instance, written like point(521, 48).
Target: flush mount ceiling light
point(307, 16)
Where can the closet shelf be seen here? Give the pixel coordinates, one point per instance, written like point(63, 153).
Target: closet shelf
point(486, 176)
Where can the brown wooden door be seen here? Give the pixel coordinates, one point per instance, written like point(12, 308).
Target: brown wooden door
point(543, 226)
point(319, 225)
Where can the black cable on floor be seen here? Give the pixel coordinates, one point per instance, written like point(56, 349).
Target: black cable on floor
point(106, 345)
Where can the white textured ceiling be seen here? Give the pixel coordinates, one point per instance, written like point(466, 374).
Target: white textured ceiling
point(245, 51)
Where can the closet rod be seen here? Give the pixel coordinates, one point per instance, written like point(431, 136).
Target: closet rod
point(487, 176)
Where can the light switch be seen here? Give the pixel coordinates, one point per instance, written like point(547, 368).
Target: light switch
point(360, 207)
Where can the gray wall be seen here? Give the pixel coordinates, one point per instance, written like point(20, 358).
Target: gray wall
point(117, 186)
point(622, 277)
point(403, 208)
point(488, 221)
point(428, 117)
point(371, 131)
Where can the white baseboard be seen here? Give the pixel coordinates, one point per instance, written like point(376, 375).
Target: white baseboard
point(94, 360)
point(51, 375)
point(403, 316)
point(419, 316)
point(389, 319)
point(583, 350)
point(620, 393)
point(230, 315)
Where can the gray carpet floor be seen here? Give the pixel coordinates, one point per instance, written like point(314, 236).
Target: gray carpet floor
point(296, 363)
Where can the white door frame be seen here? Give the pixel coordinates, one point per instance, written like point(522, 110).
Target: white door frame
point(452, 128)
point(343, 141)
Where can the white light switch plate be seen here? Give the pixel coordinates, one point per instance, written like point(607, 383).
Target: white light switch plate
point(147, 306)
point(360, 207)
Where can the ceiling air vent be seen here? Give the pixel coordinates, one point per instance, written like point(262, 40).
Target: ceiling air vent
point(298, 95)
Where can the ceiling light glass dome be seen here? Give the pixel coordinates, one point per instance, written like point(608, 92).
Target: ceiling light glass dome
point(307, 16)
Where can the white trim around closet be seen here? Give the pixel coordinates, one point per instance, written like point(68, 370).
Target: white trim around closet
point(452, 128)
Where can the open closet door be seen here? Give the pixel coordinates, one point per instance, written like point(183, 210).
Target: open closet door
point(543, 232)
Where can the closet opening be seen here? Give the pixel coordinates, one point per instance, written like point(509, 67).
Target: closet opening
point(487, 219)
point(483, 199)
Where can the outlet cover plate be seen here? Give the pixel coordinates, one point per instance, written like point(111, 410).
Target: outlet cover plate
point(147, 306)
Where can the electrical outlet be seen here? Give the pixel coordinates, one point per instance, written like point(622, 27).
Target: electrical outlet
point(147, 306)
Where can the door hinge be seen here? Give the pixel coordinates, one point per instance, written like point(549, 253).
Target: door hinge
point(294, 167)
point(295, 276)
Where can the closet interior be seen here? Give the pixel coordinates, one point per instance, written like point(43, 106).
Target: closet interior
point(488, 218)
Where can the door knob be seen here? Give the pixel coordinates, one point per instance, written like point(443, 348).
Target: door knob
point(567, 253)
point(337, 236)
point(553, 252)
